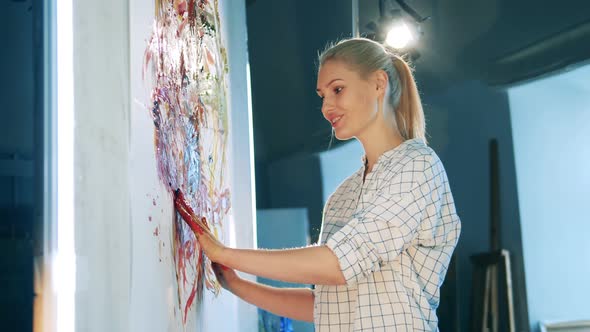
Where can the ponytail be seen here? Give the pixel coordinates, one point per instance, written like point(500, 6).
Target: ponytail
point(409, 114)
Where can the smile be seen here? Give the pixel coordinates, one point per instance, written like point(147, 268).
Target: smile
point(335, 120)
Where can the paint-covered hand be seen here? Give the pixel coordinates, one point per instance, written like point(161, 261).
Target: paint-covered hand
point(212, 247)
point(226, 276)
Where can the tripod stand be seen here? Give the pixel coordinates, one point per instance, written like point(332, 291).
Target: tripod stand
point(487, 268)
point(491, 267)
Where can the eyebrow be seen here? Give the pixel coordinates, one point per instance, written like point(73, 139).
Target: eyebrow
point(332, 81)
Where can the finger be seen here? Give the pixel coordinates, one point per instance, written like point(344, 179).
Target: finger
point(182, 210)
point(219, 266)
point(196, 227)
point(187, 213)
point(180, 203)
point(181, 200)
point(218, 272)
point(190, 221)
point(188, 217)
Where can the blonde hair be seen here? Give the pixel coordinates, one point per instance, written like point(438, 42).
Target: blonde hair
point(367, 56)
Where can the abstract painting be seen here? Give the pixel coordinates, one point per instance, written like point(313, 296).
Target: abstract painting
point(185, 66)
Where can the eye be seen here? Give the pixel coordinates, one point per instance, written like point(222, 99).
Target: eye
point(338, 90)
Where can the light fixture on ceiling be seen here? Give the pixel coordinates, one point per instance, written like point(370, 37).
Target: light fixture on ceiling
point(398, 28)
point(399, 35)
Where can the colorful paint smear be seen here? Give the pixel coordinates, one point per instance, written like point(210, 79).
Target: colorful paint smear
point(187, 65)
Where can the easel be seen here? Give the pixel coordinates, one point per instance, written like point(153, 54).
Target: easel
point(491, 267)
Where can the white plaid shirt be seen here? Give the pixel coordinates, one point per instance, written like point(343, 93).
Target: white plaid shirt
point(393, 235)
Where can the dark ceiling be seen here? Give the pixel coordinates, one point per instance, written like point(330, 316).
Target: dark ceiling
point(498, 42)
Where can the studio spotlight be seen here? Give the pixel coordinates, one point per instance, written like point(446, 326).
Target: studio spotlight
point(399, 36)
point(398, 28)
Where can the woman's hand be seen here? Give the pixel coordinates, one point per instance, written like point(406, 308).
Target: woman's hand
point(226, 276)
point(212, 247)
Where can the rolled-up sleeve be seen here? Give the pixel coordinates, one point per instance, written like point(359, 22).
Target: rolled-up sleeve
point(385, 226)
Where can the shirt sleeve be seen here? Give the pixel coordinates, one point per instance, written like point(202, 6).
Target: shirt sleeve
point(386, 225)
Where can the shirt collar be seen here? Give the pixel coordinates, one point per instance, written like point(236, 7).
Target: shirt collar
point(390, 153)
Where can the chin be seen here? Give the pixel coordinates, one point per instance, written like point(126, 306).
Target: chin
point(343, 136)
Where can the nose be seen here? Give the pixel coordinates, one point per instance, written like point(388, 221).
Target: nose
point(327, 107)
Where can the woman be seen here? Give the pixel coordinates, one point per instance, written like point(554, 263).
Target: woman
point(388, 231)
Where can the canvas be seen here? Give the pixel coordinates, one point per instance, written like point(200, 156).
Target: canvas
point(179, 140)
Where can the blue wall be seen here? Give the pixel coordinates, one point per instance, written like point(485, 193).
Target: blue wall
point(551, 121)
point(16, 113)
point(339, 163)
point(17, 123)
point(295, 182)
point(278, 229)
point(461, 123)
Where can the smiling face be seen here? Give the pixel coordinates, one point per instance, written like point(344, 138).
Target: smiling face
point(350, 102)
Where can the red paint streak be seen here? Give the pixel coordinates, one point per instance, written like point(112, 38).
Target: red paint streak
point(193, 293)
point(181, 7)
point(156, 231)
point(210, 58)
point(190, 300)
point(185, 250)
point(192, 14)
point(191, 297)
point(181, 265)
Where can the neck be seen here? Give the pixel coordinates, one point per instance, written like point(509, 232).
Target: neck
point(378, 140)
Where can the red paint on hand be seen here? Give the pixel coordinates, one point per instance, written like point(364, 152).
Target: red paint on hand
point(187, 213)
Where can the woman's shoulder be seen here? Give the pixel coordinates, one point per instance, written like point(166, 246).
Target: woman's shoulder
point(351, 181)
point(347, 185)
point(415, 156)
point(417, 163)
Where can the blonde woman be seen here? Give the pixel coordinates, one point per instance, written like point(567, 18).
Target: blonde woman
point(388, 231)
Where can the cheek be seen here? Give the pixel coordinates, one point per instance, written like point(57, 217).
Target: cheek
point(356, 104)
point(351, 102)
point(363, 104)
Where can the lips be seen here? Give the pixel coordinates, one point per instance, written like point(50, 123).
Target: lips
point(334, 120)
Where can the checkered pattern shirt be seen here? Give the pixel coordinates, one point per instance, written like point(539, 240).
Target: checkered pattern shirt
point(393, 235)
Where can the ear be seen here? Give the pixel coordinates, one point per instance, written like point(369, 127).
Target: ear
point(380, 80)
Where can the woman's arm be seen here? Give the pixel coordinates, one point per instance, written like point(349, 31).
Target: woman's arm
point(295, 303)
point(312, 265)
